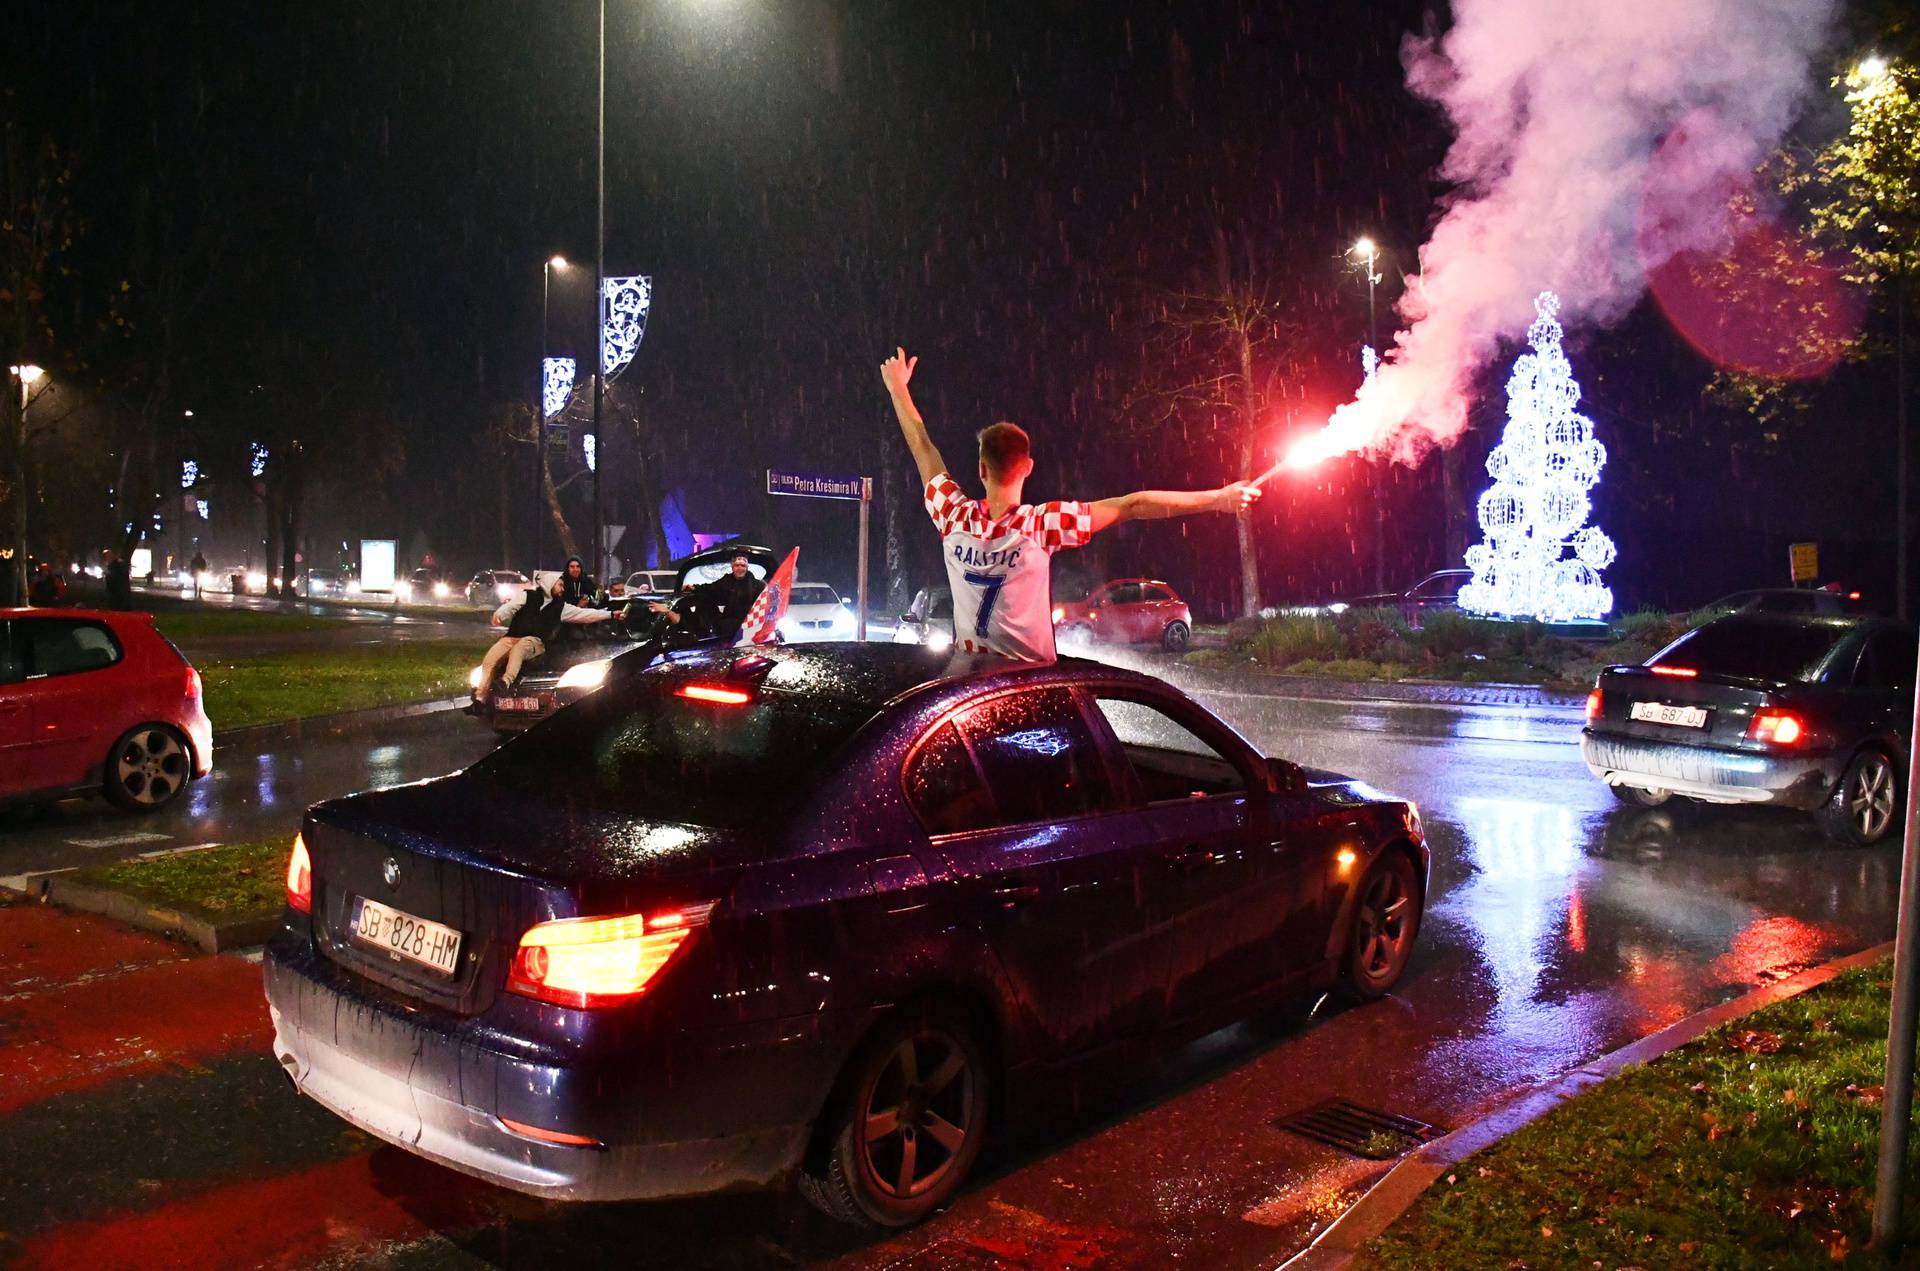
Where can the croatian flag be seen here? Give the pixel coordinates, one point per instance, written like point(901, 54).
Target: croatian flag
point(763, 620)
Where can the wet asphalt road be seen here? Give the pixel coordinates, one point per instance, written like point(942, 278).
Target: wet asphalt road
point(1561, 925)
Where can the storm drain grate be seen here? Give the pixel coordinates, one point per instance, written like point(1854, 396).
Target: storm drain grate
point(1365, 1132)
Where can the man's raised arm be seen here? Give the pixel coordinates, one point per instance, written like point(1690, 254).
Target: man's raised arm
point(895, 372)
point(1144, 505)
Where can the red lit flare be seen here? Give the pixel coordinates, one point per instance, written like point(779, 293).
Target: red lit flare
point(714, 693)
point(595, 962)
point(1777, 727)
point(300, 877)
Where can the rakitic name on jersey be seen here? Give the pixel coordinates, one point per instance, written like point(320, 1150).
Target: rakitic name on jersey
point(975, 558)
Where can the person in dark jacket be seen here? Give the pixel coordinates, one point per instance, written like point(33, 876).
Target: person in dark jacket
point(581, 586)
point(734, 593)
point(530, 621)
point(119, 580)
point(49, 589)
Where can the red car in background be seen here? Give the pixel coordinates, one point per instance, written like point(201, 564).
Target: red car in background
point(97, 703)
point(1126, 611)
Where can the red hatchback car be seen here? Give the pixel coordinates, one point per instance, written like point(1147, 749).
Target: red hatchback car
point(1126, 611)
point(97, 703)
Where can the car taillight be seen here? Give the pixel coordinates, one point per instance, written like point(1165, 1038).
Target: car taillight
point(1059, 612)
point(193, 685)
point(1593, 706)
point(300, 877)
point(1677, 672)
point(1777, 727)
point(595, 962)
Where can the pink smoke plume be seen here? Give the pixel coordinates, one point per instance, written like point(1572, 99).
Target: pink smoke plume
point(1558, 109)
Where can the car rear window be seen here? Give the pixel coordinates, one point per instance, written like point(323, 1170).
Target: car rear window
point(644, 749)
point(1753, 650)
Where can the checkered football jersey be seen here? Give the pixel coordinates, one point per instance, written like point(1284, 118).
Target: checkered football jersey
point(999, 569)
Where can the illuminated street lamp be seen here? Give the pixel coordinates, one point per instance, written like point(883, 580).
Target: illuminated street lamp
point(24, 374)
point(1367, 252)
point(1872, 69)
point(540, 411)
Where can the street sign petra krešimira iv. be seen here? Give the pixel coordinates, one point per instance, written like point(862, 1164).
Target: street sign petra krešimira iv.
point(815, 485)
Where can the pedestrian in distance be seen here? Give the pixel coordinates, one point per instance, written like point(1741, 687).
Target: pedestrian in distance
point(998, 550)
point(49, 590)
point(119, 581)
point(531, 620)
point(199, 567)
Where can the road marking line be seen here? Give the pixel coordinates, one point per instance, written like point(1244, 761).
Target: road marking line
point(122, 840)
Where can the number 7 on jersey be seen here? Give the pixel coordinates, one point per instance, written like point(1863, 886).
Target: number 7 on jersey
point(989, 585)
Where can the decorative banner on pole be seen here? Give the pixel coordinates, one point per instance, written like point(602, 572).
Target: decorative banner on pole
point(556, 384)
point(587, 448)
point(624, 304)
point(189, 473)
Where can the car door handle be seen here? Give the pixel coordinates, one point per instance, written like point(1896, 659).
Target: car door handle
point(1016, 894)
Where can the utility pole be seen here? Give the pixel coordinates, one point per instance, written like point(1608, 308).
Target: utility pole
point(1369, 251)
point(599, 287)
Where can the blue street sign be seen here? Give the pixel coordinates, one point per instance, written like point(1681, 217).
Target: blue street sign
point(813, 485)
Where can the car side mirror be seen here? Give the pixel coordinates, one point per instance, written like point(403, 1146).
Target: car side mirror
point(1288, 777)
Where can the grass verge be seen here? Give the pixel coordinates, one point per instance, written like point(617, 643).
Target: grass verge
point(206, 624)
point(233, 880)
point(1751, 1147)
point(244, 692)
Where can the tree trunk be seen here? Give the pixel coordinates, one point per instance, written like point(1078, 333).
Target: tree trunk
point(569, 546)
point(1243, 523)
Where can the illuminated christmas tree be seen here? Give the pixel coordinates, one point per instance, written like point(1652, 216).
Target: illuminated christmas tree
point(1540, 558)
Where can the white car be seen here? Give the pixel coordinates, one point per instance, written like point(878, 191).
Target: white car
point(816, 612)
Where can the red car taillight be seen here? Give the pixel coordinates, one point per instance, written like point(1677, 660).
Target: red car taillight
point(193, 685)
point(300, 877)
point(595, 962)
point(1777, 727)
point(1593, 706)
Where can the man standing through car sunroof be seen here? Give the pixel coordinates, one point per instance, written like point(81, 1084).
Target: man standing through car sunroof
point(998, 549)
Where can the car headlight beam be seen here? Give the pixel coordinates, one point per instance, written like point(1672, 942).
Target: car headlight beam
point(587, 675)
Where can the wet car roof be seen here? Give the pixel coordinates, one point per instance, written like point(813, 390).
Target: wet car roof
point(874, 674)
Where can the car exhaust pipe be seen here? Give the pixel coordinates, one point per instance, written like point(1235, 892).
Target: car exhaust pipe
point(290, 1067)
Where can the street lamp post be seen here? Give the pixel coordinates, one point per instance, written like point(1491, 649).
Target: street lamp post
point(1369, 252)
point(24, 375)
point(540, 415)
point(599, 280)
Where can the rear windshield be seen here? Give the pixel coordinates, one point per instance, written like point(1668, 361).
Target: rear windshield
point(644, 750)
point(1753, 650)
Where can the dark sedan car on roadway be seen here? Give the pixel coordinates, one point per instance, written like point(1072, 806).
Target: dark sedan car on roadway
point(815, 911)
point(1438, 592)
point(579, 655)
point(1809, 712)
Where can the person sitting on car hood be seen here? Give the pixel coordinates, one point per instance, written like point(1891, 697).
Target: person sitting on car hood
point(531, 621)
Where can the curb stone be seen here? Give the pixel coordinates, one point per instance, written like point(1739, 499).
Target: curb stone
point(211, 932)
point(369, 715)
point(1383, 1203)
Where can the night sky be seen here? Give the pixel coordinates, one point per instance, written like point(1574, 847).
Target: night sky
point(330, 220)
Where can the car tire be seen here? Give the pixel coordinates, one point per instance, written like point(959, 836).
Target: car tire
point(1640, 796)
point(147, 768)
point(1864, 807)
point(1382, 928)
point(1175, 638)
point(868, 1149)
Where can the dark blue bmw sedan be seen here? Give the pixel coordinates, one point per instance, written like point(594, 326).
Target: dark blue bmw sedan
point(820, 913)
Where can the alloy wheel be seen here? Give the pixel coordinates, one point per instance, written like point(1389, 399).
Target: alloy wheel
point(151, 766)
point(1870, 797)
point(916, 1114)
point(1382, 930)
